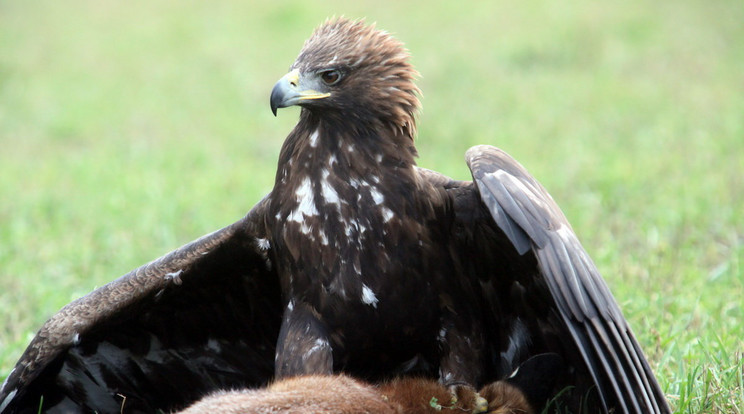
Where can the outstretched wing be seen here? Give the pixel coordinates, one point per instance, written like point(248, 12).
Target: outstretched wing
point(202, 317)
point(545, 293)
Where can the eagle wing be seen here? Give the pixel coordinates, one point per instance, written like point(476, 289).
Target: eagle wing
point(543, 290)
point(202, 317)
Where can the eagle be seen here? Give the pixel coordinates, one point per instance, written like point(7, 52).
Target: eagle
point(358, 261)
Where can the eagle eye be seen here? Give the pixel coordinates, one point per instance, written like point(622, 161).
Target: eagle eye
point(330, 77)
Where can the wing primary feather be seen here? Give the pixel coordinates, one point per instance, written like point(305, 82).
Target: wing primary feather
point(658, 394)
point(550, 259)
point(643, 387)
point(595, 288)
point(574, 284)
point(595, 297)
point(607, 369)
point(516, 235)
point(615, 349)
point(507, 202)
point(585, 345)
point(528, 197)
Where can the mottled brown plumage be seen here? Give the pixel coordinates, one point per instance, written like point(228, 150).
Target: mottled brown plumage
point(357, 261)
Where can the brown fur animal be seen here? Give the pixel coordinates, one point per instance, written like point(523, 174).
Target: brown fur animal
point(345, 395)
point(308, 394)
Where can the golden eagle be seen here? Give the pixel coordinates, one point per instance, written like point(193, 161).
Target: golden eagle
point(358, 261)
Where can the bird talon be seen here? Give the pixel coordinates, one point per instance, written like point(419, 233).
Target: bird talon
point(465, 396)
point(480, 405)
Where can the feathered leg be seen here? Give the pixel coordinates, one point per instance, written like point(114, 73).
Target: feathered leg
point(303, 347)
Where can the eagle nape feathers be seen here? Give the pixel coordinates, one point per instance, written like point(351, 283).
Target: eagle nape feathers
point(357, 262)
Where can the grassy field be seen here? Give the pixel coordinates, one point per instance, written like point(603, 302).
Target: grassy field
point(130, 128)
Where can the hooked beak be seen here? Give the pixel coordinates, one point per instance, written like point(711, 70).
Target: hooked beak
point(290, 90)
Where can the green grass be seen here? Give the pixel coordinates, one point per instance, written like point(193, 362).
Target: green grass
point(128, 129)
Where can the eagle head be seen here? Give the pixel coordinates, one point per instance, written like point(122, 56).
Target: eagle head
point(350, 71)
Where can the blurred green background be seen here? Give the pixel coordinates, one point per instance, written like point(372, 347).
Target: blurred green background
point(130, 128)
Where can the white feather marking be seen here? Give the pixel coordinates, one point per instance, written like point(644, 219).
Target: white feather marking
point(213, 345)
point(368, 296)
point(378, 157)
point(263, 244)
point(332, 160)
point(175, 276)
point(306, 199)
point(518, 339)
point(351, 225)
point(447, 377)
point(290, 305)
point(314, 139)
point(319, 345)
point(76, 338)
point(328, 192)
point(376, 196)
point(323, 238)
point(387, 214)
point(442, 334)
point(306, 230)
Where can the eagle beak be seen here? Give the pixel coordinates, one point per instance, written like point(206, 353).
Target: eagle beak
point(291, 91)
